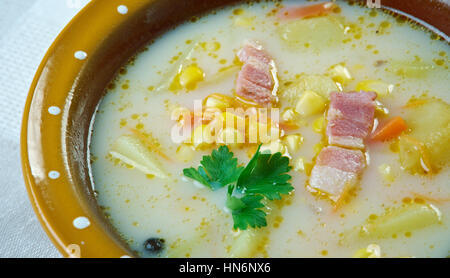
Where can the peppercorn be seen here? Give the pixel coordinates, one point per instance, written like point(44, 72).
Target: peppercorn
point(154, 245)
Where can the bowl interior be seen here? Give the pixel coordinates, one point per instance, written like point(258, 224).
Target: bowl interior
point(121, 37)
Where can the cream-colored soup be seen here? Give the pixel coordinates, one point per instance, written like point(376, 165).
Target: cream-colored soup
point(401, 62)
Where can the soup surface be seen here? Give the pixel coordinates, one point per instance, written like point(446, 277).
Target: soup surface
point(398, 205)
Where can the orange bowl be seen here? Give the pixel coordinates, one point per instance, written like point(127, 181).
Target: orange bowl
point(66, 90)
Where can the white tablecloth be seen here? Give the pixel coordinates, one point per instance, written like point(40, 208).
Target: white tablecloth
point(27, 29)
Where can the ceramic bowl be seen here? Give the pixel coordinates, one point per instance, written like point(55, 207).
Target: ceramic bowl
point(67, 88)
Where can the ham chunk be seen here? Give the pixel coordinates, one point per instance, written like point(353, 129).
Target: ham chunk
point(350, 118)
point(337, 170)
point(255, 81)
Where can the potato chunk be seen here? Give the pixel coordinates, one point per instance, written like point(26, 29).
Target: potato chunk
point(322, 85)
point(245, 243)
point(130, 150)
point(426, 146)
point(317, 32)
point(400, 220)
point(310, 103)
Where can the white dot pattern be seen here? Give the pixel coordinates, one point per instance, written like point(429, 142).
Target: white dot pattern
point(80, 55)
point(53, 175)
point(54, 110)
point(81, 222)
point(122, 9)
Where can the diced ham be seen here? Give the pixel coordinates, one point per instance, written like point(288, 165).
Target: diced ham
point(258, 73)
point(350, 118)
point(255, 80)
point(252, 49)
point(337, 170)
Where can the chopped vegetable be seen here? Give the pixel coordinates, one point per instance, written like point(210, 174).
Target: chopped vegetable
point(130, 150)
point(414, 156)
point(273, 147)
point(371, 251)
point(316, 33)
point(381, 88)
point(410, 69)
point(288, 115)
point(202, 136)
point(185, 153)
point(301, 165)
point(319, 125)
point(219, 101)
point(425, 148)
point(399, 220)
point(286, 126)
point(320, 84)
point(293, 142)
point(190, 76)
point(217, 170)
point(390, 130)
point(340, 74)
point(305, 11)
point(386, 172)
point(171, 81)
point(244, 244)
point(310, 103)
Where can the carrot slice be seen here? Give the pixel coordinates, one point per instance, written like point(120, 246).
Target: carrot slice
point(288, 126)
point(306, 11)
point(393, 128)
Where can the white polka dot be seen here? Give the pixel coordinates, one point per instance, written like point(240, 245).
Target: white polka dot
point(122, 9)
point(54, 110)
point(125, 257)
point(53, 175)
point(80, 55)
point(81, 222)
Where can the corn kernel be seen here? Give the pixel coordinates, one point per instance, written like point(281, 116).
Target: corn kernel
point(185, 153)
point(190, 76)
point(218, 101)
point(379, 87)
point(273, 147)
point(310, 103)
point(293, 142)
point(301, 165)
point(340, 74)
point(386, 172)
point(288, 115)
point(319, 125)
point(372, 251)
point(202, 136)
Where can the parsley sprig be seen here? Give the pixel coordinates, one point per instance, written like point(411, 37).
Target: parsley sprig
point(264, 177)
point(218, 169)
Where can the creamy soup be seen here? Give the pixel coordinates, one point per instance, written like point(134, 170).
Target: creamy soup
point(360, 103)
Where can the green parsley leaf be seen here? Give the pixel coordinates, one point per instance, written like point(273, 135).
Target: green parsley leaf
point(265, 174)
point(246, 211)
point(264, 177)
point(218, 169)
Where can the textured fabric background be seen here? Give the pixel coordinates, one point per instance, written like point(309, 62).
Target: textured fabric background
point(27, 29)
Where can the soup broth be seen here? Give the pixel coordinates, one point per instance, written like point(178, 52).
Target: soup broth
point(344, 48)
